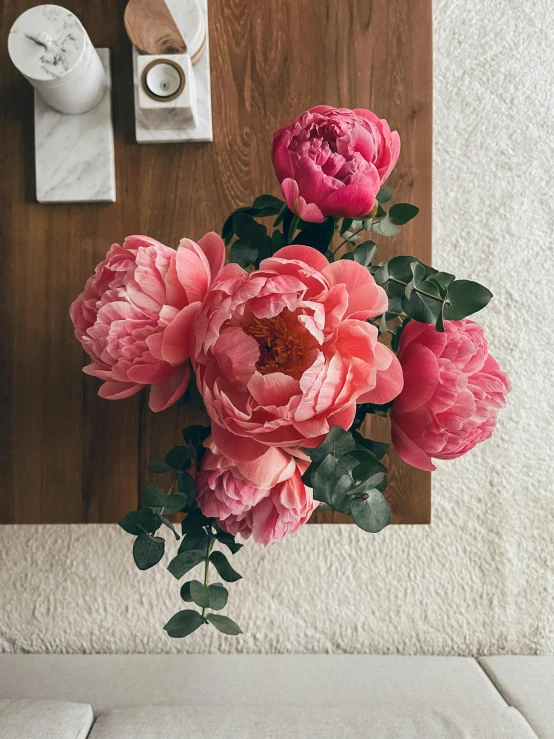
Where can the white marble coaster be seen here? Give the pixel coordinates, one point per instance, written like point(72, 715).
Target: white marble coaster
point(169, 127)
point(74, 154)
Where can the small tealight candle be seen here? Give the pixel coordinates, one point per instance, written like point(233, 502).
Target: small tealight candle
point(163, 79)
point(50, 47)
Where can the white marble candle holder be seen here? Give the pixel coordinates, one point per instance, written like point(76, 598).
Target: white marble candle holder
point(179, 95)
point(159, 122)
point(74, 154)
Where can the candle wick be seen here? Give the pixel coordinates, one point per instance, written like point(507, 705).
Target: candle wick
point(43, 39)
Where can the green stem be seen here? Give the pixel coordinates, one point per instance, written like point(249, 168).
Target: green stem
point(346, 240)
point(207, 564)
point(292, 228)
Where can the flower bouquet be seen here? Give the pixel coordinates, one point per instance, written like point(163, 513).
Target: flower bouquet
point(288, 338)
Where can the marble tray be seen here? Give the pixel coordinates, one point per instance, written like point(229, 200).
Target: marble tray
point(74, 154)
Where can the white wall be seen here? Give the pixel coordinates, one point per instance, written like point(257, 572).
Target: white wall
point(480, 578)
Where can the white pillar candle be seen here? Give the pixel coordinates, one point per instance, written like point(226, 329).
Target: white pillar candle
point(50, 47)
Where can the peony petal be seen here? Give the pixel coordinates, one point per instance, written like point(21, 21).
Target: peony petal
point(275, 388)
point(149, 372)
point(420, 365)
point(408, 450)
point(239, 448)
point(365, 298)
point(236, 354)
point(192, 272)
point(178, 335)
point(164, 394)
point(355, 200)
point(289, 188)
point(306, 254)
point(344, 418)
point(213, 247)
point(270, 468)
point(280, 155)
point(113, 390)
point(307, 211)
point(388, 382)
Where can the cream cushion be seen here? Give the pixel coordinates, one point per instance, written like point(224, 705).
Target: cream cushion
point(36, 719)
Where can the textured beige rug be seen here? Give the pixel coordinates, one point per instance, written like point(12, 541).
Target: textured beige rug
point(480, 579)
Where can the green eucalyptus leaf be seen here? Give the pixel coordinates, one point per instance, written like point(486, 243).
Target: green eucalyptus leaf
point(397, 269)
point(195, 539)
point(183, 623)
point(278, 241)
point(148, 550)
point(363, 254)
point(178, 458)
point(422, 300)
point(154, 496)
point(224, 624)
point(243, 253)
point(195, 520)
point(249, 230)
point(138, 522)
point(186, 486)
point(195, 435)
point(463, 298)
point(228, 230)
point(338, 442)
point(401, 213)
point(158, 465)
point(317, 235)
point(443, 278)
point(229, 541)
point(267, 205)
point(218, 596)
point(371, 513)
point(377, 448)
point(224, 568)
point(185, 561)
point(323, 479)
point(385, 227)
point(345, 225)
point(384, 195)
point(185, 592)
point(199, 594)
point(170, 526)
point(174, 503)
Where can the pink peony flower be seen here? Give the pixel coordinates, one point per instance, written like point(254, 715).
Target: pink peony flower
point(265, 498)
point(135, 315)
point(332, 161)
point(285, 353)
point(452, 390)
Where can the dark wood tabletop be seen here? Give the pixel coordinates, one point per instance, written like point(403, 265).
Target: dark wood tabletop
point(67, 455)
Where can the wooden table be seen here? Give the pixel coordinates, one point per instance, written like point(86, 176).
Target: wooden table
point(67, 455)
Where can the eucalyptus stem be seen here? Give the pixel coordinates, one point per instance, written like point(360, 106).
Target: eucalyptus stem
point(209, 546)
point(346, 240)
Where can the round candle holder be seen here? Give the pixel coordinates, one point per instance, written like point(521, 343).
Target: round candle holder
point(163, 80)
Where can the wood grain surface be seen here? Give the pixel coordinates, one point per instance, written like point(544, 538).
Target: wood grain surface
point(151, 28)
point(67, 455)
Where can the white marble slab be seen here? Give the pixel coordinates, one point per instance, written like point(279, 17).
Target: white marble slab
point(74, 154)
point(169, 127)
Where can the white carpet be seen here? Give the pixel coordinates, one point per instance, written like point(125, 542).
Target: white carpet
point(480, 579)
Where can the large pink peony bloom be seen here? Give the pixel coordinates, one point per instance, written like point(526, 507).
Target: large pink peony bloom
point(332, 161)
point(135, 315)
point(265, 498)
point(452, 390)
point(285, 353)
